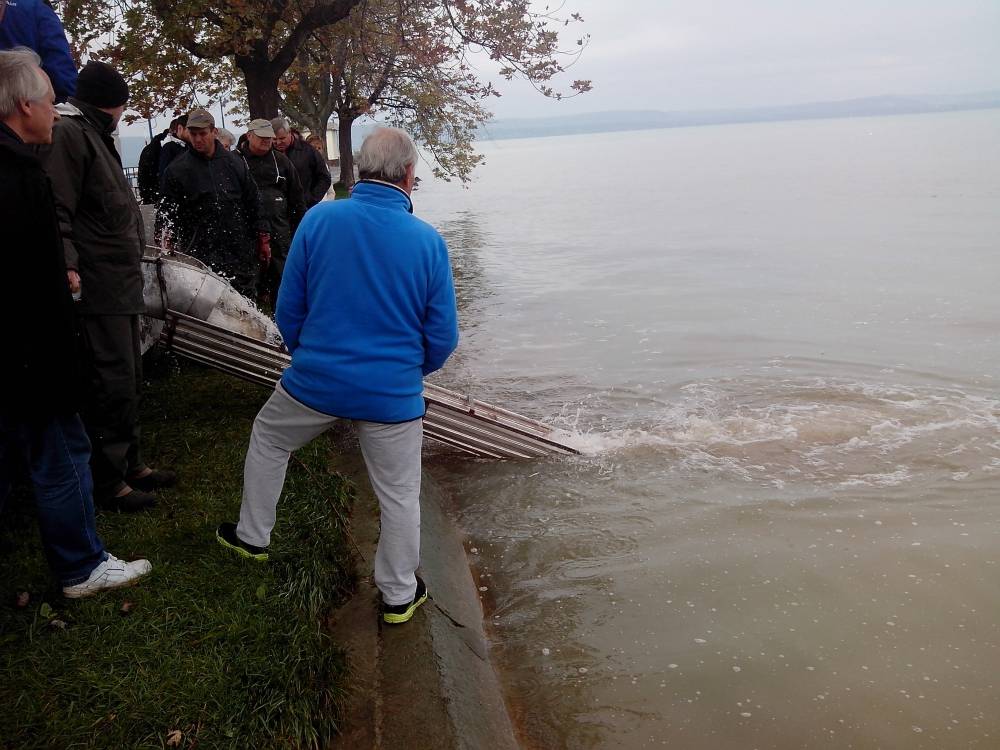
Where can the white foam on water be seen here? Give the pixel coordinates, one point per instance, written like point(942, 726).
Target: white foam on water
point(849, 433)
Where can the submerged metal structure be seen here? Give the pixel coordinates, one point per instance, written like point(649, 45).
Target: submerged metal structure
point(198, 315)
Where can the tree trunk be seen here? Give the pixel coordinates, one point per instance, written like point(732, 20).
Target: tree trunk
point(344, 123)
point(261, 79)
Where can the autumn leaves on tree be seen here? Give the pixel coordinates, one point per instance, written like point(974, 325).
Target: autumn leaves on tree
point(411, 63)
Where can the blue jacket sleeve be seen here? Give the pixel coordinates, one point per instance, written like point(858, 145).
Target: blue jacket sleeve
point(292, 301)
point(53, 48)
point(440, 316)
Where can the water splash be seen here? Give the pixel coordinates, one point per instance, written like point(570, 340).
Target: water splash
point(851, 433)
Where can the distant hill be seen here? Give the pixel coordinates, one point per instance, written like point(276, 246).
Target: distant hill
point(619, 120)
point(601, 122)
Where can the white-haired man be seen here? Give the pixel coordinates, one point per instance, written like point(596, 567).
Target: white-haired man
point(39, 382)
point(366, 308)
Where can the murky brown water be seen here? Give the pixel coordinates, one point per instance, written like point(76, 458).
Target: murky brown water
point(778, 347)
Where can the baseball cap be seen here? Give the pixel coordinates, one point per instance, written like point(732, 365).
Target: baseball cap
point(261, 128)
point(200, 118)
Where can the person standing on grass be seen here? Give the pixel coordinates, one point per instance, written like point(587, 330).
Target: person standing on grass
point(174, 145)
point(38, 383)
point(281, 205)
point(314, 173)
point(210, 207)
point(103, 238)
point(366, 309)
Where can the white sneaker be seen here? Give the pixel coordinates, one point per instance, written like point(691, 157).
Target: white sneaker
point(110, 574)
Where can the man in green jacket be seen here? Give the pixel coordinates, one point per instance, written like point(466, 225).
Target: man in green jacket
point(103, 239)
point(281, 203)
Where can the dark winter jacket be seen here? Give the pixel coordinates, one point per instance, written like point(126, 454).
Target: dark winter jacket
point(148, 173)
point(314, 174)
point(40, 363)
point(210, 207)
point(99, 218)
point(281, 204)
point(172, 148)
point(32, 23)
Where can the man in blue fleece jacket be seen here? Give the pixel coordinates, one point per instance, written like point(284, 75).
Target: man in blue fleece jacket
point(33, 23)
point(367, 308)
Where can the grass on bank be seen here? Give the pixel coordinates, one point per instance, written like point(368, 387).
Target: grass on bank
point(210, 650)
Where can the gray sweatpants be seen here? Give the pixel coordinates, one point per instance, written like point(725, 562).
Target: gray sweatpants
point(392, 457)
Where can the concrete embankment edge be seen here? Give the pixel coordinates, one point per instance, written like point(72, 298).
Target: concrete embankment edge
point(429, 683)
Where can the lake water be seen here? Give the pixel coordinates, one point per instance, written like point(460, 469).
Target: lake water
point(777, 345)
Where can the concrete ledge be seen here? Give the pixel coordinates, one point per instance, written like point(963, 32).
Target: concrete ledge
point(428, 683)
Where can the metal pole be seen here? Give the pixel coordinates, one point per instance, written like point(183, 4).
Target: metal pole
point(222, 111)
point(149, 122)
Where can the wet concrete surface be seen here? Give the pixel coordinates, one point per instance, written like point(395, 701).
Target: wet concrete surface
point(428, 683)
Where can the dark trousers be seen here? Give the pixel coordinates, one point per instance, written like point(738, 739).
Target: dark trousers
point(269, 280)
point(57, 452)
point(113, 375)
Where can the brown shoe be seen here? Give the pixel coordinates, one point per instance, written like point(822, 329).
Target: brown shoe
point(131, 502)
point(154, 480)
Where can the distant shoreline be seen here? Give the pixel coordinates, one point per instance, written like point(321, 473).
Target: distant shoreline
point(621, 121)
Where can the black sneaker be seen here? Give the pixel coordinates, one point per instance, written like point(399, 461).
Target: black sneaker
point(132, 502)
point(226, 536)
point(156, 479)
point(400, 613)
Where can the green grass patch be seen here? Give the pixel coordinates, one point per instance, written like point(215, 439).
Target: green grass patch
point(230, 653)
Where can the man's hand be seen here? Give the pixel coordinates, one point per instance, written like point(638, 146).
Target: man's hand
point(74, 281)
point(263, 250)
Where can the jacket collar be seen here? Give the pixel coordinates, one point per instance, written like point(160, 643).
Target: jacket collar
point(219, 153)
point(7, 135)
point(11, 143)
point(382, 193)
point(96, 117)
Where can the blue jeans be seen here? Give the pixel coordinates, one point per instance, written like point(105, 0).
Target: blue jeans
point(58, 456)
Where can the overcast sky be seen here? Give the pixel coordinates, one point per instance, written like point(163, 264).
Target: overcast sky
point(704, 54)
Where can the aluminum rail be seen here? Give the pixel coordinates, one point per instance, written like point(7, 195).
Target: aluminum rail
point(459, 421)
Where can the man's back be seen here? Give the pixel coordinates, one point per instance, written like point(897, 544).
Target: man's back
point(366, 306)
point(42, 364)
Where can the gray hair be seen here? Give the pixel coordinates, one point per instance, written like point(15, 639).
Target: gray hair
point(224, 135)
point(20, 80)
point(385, 155)
point(280, 123)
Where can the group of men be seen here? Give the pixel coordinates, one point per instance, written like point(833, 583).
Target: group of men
point(366, 309)
point(236, 211)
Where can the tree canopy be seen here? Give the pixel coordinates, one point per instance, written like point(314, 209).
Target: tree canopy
point(172, 44)
point(408, 62)
point(413, 63)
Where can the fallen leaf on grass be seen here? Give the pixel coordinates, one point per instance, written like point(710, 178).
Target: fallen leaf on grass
point(23, 597)
point(57, 623)
point(126, 608)
point(174, 738)
point(46, 611)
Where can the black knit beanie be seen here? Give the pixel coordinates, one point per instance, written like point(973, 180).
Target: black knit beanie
point(101, 85)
